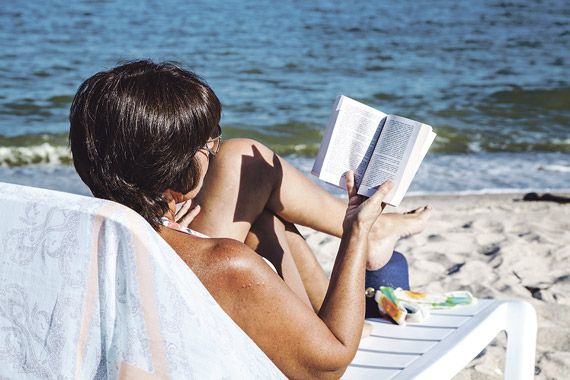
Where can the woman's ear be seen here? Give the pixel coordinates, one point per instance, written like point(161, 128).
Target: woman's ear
point(171, 195)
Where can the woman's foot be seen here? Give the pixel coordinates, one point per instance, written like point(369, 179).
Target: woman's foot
point(388, 229)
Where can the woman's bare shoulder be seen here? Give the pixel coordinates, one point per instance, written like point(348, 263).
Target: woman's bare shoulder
point(216, 257)
point(224, 266)
point(236, 264)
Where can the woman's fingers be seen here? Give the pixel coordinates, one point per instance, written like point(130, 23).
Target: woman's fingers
point(378, 197)
point(354, 200)
point(364, 210)
point(186, 215)
point(374, 205)
point(349, 179)
point(189, 217)
point(183, 210)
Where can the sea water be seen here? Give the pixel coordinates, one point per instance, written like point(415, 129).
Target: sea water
point(491, 77)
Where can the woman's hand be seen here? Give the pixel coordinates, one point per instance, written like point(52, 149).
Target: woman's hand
point(363, 211)
point(186, 214)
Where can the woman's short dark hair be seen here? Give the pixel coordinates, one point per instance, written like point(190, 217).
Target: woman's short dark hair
point(135, 131)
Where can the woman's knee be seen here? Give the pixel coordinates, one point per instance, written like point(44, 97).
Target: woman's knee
point(235, 159)
point(250, 158)
point(245, 147)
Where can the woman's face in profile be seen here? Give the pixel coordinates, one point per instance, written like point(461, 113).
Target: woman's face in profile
point(203, 158)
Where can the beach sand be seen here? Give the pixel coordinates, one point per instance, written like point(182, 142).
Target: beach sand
point(495, 246)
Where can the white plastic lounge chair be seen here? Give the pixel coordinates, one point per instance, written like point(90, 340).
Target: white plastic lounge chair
point(447, 341)
point(89, 290)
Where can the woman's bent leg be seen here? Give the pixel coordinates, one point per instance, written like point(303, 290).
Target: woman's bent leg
point(268, 238)
point(312, 274)
point(245, 178)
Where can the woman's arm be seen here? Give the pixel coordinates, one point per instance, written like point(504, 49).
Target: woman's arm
point(301, 343)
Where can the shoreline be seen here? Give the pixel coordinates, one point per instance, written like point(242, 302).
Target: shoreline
point(565, 192)
point(63, 177)
point(495, 246)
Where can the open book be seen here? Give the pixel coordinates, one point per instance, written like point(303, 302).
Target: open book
point(377, 147)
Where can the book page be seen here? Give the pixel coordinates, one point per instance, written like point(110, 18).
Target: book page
point(324, 147)
point(348, 142)
point(425, 139)
point(391, 155)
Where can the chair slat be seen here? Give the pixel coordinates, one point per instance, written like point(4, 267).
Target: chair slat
point(378, 343)
point(384, 359)
point(357, 372)
point(444, 321)
point(402, 332)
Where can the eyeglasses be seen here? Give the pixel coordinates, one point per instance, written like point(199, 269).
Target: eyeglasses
point(214, 143)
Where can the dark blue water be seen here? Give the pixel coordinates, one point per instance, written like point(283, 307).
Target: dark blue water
point(491, 77)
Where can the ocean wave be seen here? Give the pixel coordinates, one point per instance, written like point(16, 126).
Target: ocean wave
point(482, 173)
point(300, 138)
point(546, 99)
point(44, 153)
point(555, 168)
point(37, 107)
point(292, 139)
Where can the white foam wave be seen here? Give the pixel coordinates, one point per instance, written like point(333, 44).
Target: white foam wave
point(555, 168)
point(37, 154)
point(485, 173)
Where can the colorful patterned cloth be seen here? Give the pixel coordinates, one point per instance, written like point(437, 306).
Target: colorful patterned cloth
point(410, 306)
point(175, 226)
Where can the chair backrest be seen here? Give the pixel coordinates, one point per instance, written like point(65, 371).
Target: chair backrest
point(89, 290)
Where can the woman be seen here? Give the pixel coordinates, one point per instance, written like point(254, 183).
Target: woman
point(147, 135)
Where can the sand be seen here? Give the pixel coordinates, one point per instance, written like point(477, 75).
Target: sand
point(495, 246)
